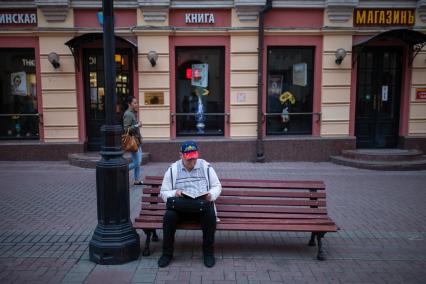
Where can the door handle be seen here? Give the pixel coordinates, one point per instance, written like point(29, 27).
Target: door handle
point(374, 102)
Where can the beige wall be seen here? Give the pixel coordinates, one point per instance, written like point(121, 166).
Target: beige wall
point(155, 118)
point(336, 84)
point(59, 96)
point(243, 86)
point(417, 108)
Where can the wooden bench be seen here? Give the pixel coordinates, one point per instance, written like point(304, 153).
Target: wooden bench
point(251, 205)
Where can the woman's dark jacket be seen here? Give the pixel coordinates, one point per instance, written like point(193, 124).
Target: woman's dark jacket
point(129, 123)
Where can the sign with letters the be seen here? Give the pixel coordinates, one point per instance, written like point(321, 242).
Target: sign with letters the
point(199, 18)
point(384, 17)
point(17, 18)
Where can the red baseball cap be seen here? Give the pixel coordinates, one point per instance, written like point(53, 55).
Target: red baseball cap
point(189, 150)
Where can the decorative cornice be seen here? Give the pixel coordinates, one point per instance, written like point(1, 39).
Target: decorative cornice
point(248, 10)
point(298, 4)
point(387, 4)
point(154, 10)
point(340, 11)
point(421, 8)
point(180, 4)
point(98, 4)
point(17, 4)
point(54, 10)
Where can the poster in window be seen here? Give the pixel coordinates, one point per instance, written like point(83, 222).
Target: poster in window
point(200, 74)
point(300, 74)
point(275, 85)
point(18, 83)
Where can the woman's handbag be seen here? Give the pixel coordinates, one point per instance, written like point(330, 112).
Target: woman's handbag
point(128, 142)
point(188, 205)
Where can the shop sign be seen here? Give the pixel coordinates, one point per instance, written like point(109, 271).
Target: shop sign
point(384, 17)
point(199, 18)
point(421, 94)
point(11, 18)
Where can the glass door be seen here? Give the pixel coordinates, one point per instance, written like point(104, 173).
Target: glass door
point(378, 97)
point(94, 89)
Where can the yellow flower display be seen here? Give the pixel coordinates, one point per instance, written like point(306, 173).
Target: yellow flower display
point(287, 96)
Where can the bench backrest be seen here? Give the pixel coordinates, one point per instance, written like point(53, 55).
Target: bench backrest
point(254, 199)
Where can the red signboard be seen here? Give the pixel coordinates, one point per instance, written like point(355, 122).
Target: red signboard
point(421, 94)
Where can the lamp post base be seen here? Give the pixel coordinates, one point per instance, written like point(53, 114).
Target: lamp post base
point(114, 244)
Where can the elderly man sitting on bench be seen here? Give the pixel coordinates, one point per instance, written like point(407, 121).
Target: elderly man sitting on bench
point(190, 187)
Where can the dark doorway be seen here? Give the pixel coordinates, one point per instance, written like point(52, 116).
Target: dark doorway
point(378, 97)
point(94, 90)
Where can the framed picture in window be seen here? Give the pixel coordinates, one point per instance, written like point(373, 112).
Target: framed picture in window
point(275, 84)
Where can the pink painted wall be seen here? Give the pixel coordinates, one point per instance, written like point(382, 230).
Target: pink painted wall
point(221, 41)
point(88, 18)
point(300, 18)
point(309, 41)
point(29, 42)
point(222, 18)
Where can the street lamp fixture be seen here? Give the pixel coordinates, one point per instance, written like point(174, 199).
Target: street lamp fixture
point(340, 55)
point(152, 57)
point(53, 58)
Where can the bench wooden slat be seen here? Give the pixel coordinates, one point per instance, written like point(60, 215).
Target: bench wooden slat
point(155, 179)
point(250, 220)
point(280, 185)
point(245, 215)
point(252, 201)
point(242, 208)
point(255, 193)
point(245, 227)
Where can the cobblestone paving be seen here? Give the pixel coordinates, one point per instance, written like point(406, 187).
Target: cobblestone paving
point(48, 214)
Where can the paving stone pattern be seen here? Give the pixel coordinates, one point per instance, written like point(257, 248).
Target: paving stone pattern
point(48, 214)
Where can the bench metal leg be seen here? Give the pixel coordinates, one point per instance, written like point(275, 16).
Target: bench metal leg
point(312, 240)
point(320, 255)
point(146, 251)
point(154, 236)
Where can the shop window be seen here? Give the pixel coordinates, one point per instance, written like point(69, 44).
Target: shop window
point(290, 91)
point(200, 88)
point(18, 95)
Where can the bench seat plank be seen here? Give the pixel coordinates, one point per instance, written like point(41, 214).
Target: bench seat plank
point(245, 215)
point(244, 208)
point(245, 227)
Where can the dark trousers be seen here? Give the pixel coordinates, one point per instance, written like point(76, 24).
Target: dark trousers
point(207, 220)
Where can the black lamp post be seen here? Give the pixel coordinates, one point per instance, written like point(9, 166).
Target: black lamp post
point(114, 241)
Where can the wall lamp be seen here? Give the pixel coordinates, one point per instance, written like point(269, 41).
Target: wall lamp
point(152, 57)
point(340, 55)
point(53, 58)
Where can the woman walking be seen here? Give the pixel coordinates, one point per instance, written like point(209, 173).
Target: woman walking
point(132, 125)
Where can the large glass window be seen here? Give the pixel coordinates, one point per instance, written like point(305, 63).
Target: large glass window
point(290, 90)
point(200, 98)
point(18, 94)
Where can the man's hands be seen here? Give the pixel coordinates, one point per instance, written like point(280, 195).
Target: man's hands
point(208, 197)
point(179, 193)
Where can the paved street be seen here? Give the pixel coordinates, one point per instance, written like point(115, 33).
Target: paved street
point(48, 214)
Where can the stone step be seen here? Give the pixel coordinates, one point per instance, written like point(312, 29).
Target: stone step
point(89, 159)
point(409, 165)
point(383, 154)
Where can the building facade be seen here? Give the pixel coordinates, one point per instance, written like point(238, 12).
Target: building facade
point(335, 75)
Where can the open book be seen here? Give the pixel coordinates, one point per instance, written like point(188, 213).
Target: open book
point(194, 195)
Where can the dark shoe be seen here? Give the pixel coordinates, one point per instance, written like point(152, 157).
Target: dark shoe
point(209, 260)
point(164, 260)
point(138, 183)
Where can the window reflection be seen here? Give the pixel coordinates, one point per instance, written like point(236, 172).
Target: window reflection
point(18, 94)
point(290, 90)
